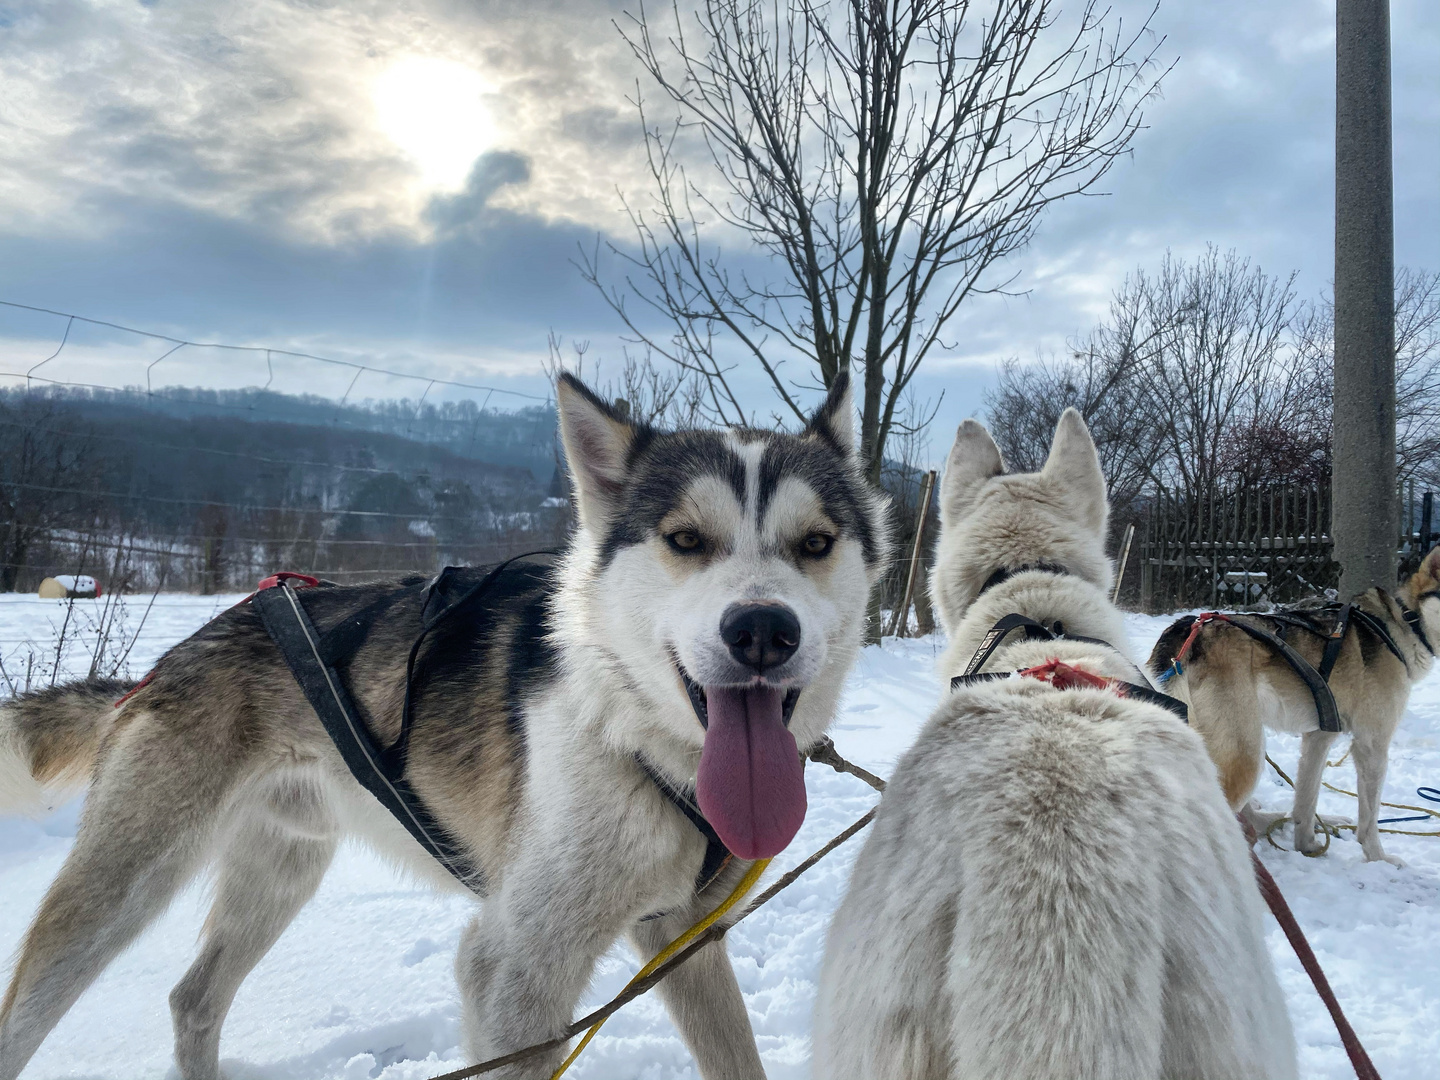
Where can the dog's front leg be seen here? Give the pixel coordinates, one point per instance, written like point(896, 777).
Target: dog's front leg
point(1314, 746)
point(527, 957)
point(1372, 759)
point(702, 996)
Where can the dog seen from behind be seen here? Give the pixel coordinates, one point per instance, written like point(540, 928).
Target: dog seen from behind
point(608, 739)
point(1054, 887)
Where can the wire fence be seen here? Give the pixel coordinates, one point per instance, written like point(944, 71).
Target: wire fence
point(172, 345)
point(161, 520)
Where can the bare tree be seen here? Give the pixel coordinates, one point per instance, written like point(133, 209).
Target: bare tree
point(872, 161)
point(671, 398)
point(46, 460)
point(1417, 369)
point(1218, 356)
point(1100, 378)
point(1417, 374)
point(1197, 379)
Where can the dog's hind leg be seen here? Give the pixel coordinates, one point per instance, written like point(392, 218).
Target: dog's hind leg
point(703, 998)
point(269, 868)
point(146, 828)
point(1372, 759)
point(1226, 713)
point(1314, 747)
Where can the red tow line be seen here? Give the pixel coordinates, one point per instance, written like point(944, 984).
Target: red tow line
point(1359, 1059)
point(302, 581)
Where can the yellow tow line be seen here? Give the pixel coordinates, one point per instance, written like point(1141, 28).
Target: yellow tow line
point(746, 884)
point(1326, 828)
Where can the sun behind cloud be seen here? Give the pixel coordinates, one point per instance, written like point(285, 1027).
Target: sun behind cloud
point(434, 111)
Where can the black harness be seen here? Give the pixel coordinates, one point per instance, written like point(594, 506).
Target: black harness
point(1316, 680)
point(313, 657)
point(1412, 619)
point(1037, 631)
point(717, 855)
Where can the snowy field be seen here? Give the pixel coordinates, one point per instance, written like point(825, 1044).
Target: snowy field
point(361, 986)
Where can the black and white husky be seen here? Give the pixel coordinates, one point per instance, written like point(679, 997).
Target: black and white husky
point(695, 634)
point(1055, 888)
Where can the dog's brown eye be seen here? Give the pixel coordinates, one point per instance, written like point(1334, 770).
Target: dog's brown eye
point(818, 544)
point(686, 541)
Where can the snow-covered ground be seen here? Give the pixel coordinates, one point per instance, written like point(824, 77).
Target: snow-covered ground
point(361, 985)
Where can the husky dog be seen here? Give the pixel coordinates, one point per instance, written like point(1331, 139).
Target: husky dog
point(696, 632)
point(1054, 887)
point(1237, 686)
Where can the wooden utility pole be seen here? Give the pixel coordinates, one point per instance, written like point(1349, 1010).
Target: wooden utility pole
point(1364, 522)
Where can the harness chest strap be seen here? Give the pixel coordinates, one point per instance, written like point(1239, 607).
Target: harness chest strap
point(1413, 620)
point(1055, 672)
point(1034, 631)
point(377, 771)
point(717, 855)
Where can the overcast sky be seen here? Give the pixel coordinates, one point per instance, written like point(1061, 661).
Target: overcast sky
point(407, 183)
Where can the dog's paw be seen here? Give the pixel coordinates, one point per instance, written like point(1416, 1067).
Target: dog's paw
point(1311, 842)
point(1335, 821)
point(1378, 855)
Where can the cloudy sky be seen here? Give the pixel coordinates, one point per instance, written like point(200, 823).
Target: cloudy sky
point(407, 183)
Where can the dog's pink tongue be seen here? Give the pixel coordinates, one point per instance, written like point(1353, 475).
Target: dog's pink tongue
point(750, 784)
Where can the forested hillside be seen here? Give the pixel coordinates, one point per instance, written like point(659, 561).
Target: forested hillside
point(201, 489)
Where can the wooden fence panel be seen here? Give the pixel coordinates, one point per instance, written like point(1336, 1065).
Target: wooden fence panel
point(1256, 545)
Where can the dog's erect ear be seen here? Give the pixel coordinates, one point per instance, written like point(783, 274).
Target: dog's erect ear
point(973, 459)
point(597, 443)
point(835, 419)
point(1427, 577)
point(1074, 465)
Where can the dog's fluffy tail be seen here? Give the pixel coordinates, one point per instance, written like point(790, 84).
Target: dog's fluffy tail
point(49, 740)
point(1169, 643)
point(1162, 657)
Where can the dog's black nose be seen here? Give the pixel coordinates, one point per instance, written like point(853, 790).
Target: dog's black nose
point(761, 635)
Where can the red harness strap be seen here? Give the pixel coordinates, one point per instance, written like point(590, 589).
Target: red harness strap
point(301, 581)
point(135, 689)
point(1064, 677)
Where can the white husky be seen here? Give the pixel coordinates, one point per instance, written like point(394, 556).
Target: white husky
point(1054, 887)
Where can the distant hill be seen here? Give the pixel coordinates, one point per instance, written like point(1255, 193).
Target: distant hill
point(234, 480)
point(523, 437)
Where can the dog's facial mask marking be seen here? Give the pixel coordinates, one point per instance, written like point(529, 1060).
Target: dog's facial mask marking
point(746, 556)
